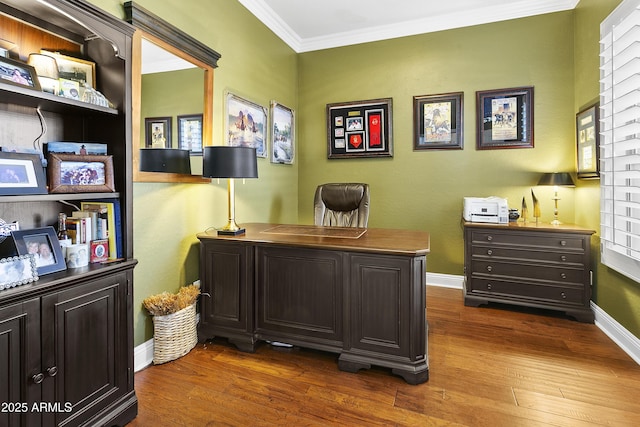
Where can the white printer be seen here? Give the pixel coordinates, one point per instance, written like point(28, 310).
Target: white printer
point(487, 209)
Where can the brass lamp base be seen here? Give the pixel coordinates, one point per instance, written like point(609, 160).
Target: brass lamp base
point(231, 232)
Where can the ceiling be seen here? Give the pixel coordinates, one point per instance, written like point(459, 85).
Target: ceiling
point(314, 25)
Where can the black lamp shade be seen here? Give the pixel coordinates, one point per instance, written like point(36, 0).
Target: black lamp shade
point(169, 160)
point(229, 162)
point(557, 178)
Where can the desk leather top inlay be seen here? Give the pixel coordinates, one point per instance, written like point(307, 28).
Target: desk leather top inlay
point(312, 230)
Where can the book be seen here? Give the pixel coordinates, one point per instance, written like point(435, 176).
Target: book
point(87, 221)
point(105, 211)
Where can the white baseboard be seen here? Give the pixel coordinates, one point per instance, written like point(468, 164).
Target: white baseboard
point(629, 343)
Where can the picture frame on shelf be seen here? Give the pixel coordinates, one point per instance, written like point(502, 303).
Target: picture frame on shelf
point(588, 142)
point(504, 118)
point(75, 69)
point(43, 244)
point(158, 132)
point(438, 121)
point(190, 133)
point(72, 173)
point(21, 173)
point(245, 124)
point(18, 74)
point(360, 129)
point(282, 134)
point(17, 270)
point(79, 148)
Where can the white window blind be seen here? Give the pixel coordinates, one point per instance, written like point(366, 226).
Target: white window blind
point(620, 139)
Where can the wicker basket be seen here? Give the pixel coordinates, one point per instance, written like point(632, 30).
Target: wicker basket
point(174, 335)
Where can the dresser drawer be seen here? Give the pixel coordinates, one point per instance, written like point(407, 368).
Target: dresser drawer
point(493, 252)
point(529, 240)
point(496, 289)
point(525, 271)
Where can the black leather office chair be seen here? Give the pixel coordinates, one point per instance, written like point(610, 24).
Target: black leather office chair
point(342, 205)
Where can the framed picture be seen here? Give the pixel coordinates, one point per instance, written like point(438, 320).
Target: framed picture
point(76, 69)
point(360, 129)
point(73, 173)
point(7, 227)
point(43, 245)
point(505, 118)
point(17, 270)
point(158, 132)
point(81, 148)
point(246, 124)
point(282, 134)
point(21, 173)
point(190, 133)
point(588, 142)
point(437, 121)
point(18, 73)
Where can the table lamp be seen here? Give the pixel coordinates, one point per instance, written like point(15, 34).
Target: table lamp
point(556, 179)
point(47, 70)
point(168, 160)
point(231, 163)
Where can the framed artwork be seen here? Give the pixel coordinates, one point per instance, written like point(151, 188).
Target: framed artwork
point(18, 73)
point(158, 132)
point(360, 129)
point(246, 124)
point(282, 134)
point(17, 270)
point(21, 173)
point(73, 173)
point(437, 121)
point(81, 148)
point(43, 245)
point(588, 142)
point(505, 118)
point(75, 69)
point(190, 133)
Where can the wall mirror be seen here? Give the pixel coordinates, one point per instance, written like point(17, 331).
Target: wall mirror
point(172, 84)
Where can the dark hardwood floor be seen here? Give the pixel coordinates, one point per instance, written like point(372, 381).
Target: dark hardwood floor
point(489, 366)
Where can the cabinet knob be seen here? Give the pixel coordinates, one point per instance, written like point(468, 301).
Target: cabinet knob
point(562, 275)
point(489, 268)
point(563, 243)
point(489, 286)
point(563, 295)
point(563, 258)
point(489, 252)
point(38, 378)
point(489, 238)
point(52, 371)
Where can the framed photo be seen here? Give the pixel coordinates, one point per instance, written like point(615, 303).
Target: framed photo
point(7, 227)
point(282, 134)
point(21, 173)
point(246, 124)
point(18, 73)
point(190, 133)
point(505, 118)
point(76, 69)
point(80, 148)
point(437, 121)
point(73, 173)
point(158, 132)
point(17, 270)
point(43, 245)
point(360, 129)
point(588, 142)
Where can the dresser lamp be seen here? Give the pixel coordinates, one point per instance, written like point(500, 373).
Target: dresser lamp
point(231, 163)
point(556, 179)
point(167, 160)
point(47, 70)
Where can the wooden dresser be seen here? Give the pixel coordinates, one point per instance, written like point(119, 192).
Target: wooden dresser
point(534, 265)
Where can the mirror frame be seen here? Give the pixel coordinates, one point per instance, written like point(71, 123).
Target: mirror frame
point(156, 30)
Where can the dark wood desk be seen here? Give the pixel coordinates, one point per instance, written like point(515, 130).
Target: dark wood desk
point(356, 292)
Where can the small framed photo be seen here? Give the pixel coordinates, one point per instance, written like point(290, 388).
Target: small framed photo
point(190, 133)
point(18, 73)
point(7, 227)
point(72, 173)
point(17, 270)
point(360, 129)
point(437, 121)
point(21, 173)
point(75, 69)
point(43, 245)
point(504, 118)
point(588, 142)
point(158, 132)
point(80, 148)
point(246, 124)
point(282, 134)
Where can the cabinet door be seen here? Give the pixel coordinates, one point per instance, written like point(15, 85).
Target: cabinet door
point(84, 350)
point(20, 363)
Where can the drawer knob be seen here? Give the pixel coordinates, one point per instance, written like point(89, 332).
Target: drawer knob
point(563, 275)
point(563, 258)
point(563, 295)
point(489, 286)
point(563, 243)
point(489, 252)
point(52, 371)
point(489, 238)
point(38, 378)
point(489, 268)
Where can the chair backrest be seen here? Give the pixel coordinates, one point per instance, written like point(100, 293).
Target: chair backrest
point(342, 205)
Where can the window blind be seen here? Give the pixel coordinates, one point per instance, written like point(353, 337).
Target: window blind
point(620, 139)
